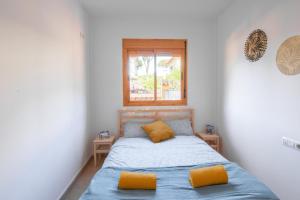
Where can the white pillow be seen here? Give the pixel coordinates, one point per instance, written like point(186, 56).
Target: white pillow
point(181, 126)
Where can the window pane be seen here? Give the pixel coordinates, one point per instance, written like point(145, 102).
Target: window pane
point(168, 70)
point(141, 77)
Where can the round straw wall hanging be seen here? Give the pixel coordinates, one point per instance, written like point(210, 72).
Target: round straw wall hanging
point(256, 45)
point(288, 56)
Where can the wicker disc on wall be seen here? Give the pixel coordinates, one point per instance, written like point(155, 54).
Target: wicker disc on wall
point(288, 56)
point(256, 45)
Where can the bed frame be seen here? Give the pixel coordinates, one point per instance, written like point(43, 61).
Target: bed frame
point(126, 115)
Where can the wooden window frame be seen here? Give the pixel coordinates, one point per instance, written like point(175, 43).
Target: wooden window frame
point(154, 45)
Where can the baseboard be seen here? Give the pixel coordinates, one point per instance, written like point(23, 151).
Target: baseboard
point(73, 178)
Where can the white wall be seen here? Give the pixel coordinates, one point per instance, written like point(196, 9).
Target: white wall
point(43, 105)
point(106, 63)
point(257, 105)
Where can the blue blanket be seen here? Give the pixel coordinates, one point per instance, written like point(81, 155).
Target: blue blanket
point(173, 183)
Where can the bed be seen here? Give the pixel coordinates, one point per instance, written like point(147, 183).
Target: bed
point(171, 161)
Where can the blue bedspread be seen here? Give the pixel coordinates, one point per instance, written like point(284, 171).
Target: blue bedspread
point(173, 183)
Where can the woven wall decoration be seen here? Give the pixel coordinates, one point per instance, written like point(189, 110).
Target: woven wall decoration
point(256, 45)
point(288, 56)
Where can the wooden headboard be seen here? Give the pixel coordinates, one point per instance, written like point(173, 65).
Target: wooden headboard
point(126, 115)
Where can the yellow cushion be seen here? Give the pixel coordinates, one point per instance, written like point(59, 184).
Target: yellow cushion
point(158, 131)
point(133, 180)
point(208, 176)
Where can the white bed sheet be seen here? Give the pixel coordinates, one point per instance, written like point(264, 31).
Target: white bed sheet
point(179, 151)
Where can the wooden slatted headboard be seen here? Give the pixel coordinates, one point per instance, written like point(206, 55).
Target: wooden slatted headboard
point(126, 115)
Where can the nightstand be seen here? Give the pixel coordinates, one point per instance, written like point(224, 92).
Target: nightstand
point(212, 140)
point(102, 146)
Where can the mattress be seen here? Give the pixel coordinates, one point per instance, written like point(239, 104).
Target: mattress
point(171, 161)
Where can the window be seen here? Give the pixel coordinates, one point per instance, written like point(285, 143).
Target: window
point(154, 72)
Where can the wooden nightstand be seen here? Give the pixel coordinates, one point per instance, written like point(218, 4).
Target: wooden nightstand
point(102, 146)
point(212, 140)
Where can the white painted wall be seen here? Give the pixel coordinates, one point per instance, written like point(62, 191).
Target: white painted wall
point(106, 63)
point(43, 105)
point(257, 105)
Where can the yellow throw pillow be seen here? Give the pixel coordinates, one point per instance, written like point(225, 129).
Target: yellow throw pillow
point(138, 181)
point(158, 131)
point(208, 176)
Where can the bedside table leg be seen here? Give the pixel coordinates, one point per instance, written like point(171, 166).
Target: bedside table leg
point(95, 156)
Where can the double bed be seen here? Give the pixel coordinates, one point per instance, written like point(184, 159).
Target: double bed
point(171, 161)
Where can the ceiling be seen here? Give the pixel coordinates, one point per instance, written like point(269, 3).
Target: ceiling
point(184, 8)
